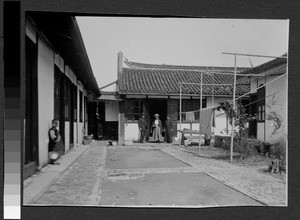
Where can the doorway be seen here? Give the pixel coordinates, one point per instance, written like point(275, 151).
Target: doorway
point(253, 111)
point(31, 110)
point(158, 107)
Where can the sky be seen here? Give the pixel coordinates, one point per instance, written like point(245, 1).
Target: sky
point(179, 41)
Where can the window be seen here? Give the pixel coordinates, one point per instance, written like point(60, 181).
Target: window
point(85, 109)
point(134, 109)
point(75, 102)
point(192, 105)
point(80, 107)
point(261, 104)
point(67, 97)
point(56, 93)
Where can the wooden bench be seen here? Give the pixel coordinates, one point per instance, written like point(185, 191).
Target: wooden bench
point(193, 136)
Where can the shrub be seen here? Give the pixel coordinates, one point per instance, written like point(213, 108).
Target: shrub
point(279, 149)
point(247, 147)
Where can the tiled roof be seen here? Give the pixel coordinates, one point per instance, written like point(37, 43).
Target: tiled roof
point(169, 67)
point(106, 95)
point(278, 62)
point(160, 80)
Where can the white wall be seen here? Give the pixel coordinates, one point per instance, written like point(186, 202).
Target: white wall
point(80, 124)
point(276, 109)
point(67, 136)
point(75, 133)
point(45, 68)
point(131, 131)
point(275, 126)
point(220, 121)
point(261, 131)
point(111, 110)
point(253, 84)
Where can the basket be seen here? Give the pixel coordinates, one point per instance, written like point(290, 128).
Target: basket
point(53, 155)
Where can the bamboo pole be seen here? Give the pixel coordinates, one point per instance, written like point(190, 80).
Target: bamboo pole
point(233, 99)
point(252, 55)
point(213, 98)
point(261, 86)
point(219, 84)
point(200, 113)
point(180, 106)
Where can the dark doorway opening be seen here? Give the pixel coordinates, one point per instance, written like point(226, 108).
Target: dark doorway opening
point(71, 110)
point(92, 119)
point(252, 112)
point(158, 107)
point(60, 108)
point(31, 110)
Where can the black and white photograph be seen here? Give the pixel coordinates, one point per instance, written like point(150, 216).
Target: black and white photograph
point(170, 112)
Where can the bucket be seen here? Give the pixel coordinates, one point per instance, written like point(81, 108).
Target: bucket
point(53, 155)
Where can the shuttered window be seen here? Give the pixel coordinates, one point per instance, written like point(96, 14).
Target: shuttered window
point(134, 109)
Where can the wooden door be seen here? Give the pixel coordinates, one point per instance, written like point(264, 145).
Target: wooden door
point(146, 111)
point(173, 113)
point(253, 111)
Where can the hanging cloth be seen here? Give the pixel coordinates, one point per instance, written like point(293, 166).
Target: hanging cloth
point(206, 120)
point(214, 118)
point(190, 116)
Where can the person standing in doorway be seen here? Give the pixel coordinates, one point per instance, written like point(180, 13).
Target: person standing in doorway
point(54, 138)
point(142, 127)
point(157, 128)
point(168, 130)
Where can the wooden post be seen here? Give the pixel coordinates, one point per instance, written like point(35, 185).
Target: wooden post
point(232, 126)
point(200, 112)
point(180, 107)
point(213, 98)
point(213, 90)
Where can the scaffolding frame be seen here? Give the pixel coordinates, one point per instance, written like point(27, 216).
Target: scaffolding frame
point(234, 99)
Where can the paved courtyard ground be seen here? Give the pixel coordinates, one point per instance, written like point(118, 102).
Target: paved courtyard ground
point(159, 175)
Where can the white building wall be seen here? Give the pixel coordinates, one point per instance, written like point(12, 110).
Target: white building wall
point(275, 126)
point(67, 136)
point(45, 68)
point(111, 110)
point(276, 109)
point(131, 131)
point(85, 114)
point(75, 134)
point(253, 84)
point(80, 124)
point(261, 131)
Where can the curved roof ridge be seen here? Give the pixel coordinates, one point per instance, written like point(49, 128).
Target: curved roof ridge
point(138, 65)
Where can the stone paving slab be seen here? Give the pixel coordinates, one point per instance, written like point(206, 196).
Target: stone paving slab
point(35, 185)
point(261, 187)
point(81, 183)
point(86, 175)
point(143, 158)
point(111, 172)
point(171, 189)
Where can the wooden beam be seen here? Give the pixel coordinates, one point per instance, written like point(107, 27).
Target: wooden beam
point(108, 85)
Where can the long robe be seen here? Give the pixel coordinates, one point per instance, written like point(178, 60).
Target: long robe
point(157, 129)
